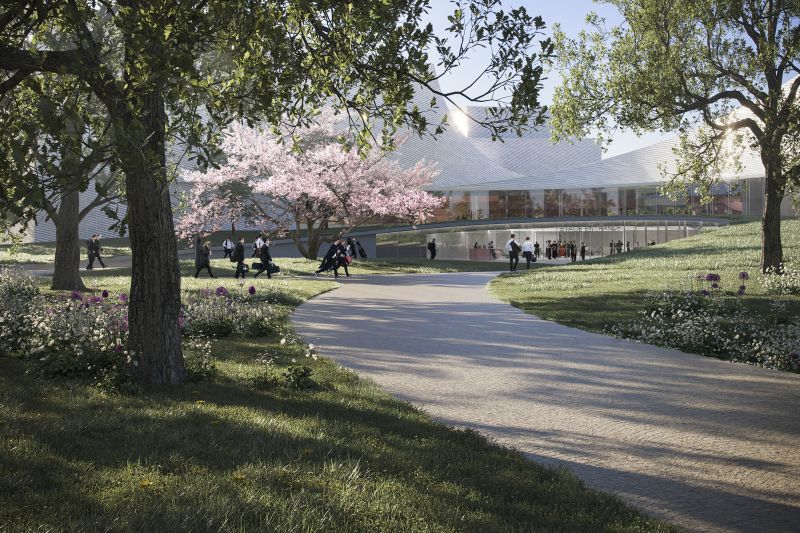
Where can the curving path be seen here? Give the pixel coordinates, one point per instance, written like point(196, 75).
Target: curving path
point(709, 445)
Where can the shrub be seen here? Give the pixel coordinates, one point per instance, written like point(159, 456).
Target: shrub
point(19, 295)
point(712, 324)
point(197, 358)
point(221, 313)
point(787, 282)
point(83, 335)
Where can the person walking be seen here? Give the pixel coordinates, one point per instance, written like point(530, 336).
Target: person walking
point(432, 249)
point(257, 244)
point(547, 249)
point(492, 252)
point(328, 259)
point(342, 259)
point(611, 248)
point(536, 250)
point(513, 248)
point(573, 251)
point(628, 246)
point(94, 252)
point(227, 247)
point(583, 251)
point(619, 247)
point(238, 256)
point(266, 259)
point(527, 252)
point(202, 257)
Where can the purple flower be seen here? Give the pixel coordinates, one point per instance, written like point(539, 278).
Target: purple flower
point(252, 290)
point(715, 285)
point(712, 277)
point(704, 292)
point(744, 276)
point(76, 295)
point(96, 300)
point(105, 294)
point(123, 298)
point(221, 291)
point(181, 321)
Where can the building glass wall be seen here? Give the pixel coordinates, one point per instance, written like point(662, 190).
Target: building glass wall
point(476, 242)
point(743, 198)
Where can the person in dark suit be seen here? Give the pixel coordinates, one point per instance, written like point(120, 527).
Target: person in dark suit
point(94, 252)
point(265, 258)
point(432, 248)
point(341, 259)
point(573, 251)
point(583, 251)
point(329, 258)
point(238, 254)
point(202, 257)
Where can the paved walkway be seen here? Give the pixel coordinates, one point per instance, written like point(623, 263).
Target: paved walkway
point(709, 445)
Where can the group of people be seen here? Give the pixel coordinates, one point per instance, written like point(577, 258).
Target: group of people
point(567, 249)
point(532, 251)
point(341, 254)
point(235, 252)
point(617, 248)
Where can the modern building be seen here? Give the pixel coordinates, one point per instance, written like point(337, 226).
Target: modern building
point(528, 185)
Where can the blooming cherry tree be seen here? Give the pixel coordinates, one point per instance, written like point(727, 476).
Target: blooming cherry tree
point(299, 185)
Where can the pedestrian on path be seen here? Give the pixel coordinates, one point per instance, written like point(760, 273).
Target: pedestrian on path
point(432, 249)
point(329, 259)
point(202, 257)
point(238, 256)
point(513, 248)
point(227, 247)
point(583, 251)
point(342, 259)
point(94, 251)
point(527, 252)
point(265, 258)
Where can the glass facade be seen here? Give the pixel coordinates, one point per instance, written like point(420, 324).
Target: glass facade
point(743, 198)
point(483, 242)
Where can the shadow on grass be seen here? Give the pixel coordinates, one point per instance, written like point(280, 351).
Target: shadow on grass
point(342, 449)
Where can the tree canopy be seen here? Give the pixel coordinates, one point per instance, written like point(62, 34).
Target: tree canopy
point(300, 189)
point(722, 73)
point(159, 67)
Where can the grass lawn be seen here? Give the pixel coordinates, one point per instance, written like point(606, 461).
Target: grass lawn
point(45, 253)
point(610, 290)
point(229, 455)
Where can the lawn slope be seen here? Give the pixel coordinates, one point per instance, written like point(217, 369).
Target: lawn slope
point(593, 294)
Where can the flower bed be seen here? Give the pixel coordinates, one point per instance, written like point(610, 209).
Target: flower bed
point(87, 335)
point(708, 321)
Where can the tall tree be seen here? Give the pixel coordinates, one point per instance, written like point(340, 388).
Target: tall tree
point(300, 189)
point(55, 148)
point(717, 71)
point(155, 64)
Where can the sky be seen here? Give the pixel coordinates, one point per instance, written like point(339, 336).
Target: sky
point(571, 15)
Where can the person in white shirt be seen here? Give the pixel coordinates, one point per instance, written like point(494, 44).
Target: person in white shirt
point(527, 251)
point(227, 247)
point(257, 245)
point(513, 248)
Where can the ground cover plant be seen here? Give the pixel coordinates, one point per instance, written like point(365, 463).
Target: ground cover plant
point(270, 436)
point(666, 295)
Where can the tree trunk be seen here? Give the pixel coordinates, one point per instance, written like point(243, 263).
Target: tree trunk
point(155, 294)
point(771, 249)
point(66, 270)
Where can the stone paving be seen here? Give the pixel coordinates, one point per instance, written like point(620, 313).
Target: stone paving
point(708, 445)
